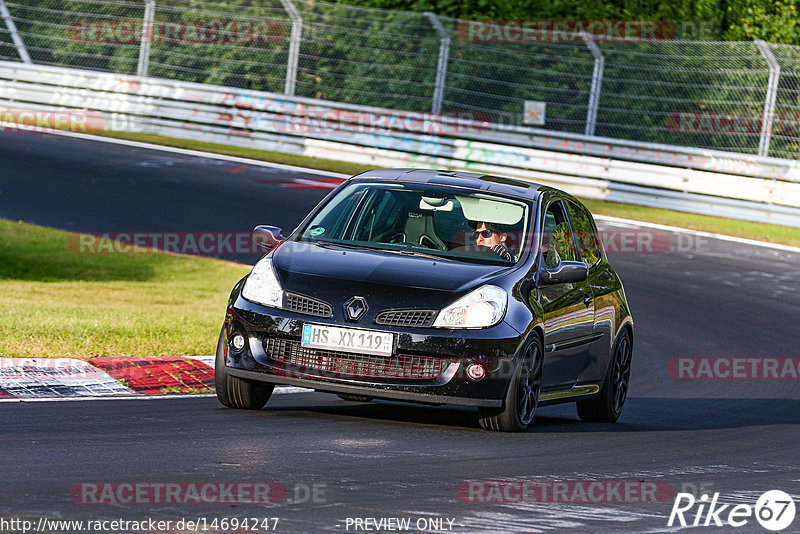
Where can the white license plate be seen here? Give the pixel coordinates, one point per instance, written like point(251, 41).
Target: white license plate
point(347, 339)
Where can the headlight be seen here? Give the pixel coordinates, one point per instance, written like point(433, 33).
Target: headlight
point(262, 285)
point(483, 307)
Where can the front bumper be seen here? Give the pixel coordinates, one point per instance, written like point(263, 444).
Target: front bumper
point(428, 365)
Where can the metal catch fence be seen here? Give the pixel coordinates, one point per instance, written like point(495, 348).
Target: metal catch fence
point(740, 97)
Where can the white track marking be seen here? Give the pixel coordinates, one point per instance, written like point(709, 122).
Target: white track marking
point(711, 235)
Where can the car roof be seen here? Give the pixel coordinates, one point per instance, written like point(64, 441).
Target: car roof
point(495, 184)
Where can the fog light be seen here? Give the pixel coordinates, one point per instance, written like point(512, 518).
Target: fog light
point(476, 371)
point(237, 342)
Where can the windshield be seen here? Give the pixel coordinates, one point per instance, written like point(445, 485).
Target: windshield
point(421, 219)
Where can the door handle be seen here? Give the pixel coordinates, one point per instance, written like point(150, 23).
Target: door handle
point(588, 301)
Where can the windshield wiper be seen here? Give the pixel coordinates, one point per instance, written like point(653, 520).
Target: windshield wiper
point(405, 252)
point(419, 254)
point(331, 244)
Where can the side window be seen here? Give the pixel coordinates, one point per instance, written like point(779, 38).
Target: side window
point(558, 241)
point(588, 240)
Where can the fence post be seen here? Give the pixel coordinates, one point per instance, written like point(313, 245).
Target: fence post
point(597, 82)
point(147, 38)
point(769, 101)
point(294, 46)
point(441, 67)
point(12, 29)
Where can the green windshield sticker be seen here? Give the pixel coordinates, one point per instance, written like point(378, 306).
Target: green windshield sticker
point(317, 231)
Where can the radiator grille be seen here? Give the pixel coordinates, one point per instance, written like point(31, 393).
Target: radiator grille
point(406, 317)
point(306, 305)
point(351, 365)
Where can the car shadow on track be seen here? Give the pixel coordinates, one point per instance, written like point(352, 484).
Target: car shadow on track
point(641, 414)
point(446, 416)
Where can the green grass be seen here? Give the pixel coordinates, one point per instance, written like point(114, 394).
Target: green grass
point(772, 233)
point(56, 302)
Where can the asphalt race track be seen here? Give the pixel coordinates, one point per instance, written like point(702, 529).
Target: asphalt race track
point(337, 460)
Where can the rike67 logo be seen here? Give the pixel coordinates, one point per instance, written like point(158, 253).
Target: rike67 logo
point(774, 510)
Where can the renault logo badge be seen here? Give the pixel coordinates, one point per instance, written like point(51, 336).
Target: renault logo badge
point(355, 308)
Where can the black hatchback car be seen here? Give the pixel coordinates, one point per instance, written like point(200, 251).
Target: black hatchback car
point(434, 287)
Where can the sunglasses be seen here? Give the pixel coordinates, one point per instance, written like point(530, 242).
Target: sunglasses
point(486, 234)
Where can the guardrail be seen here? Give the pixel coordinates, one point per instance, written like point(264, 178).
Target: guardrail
point(702, 181)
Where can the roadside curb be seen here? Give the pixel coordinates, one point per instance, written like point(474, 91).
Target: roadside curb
point(110, 378)
point(39, 378)
point(154, 376)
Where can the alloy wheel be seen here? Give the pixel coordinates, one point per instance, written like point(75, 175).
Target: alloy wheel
point(530, 385)
point(622, 373)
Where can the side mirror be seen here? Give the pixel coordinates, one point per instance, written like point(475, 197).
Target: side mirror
point(565, 272)
point(268, 237)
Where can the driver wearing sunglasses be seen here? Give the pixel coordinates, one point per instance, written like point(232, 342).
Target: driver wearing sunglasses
point(488, 235)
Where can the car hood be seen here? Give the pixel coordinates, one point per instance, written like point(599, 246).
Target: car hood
point(333, 273)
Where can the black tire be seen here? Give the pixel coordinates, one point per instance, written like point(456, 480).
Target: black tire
point(607, 407)
point(233, 391)
point(354, 398)
point(522, 397)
